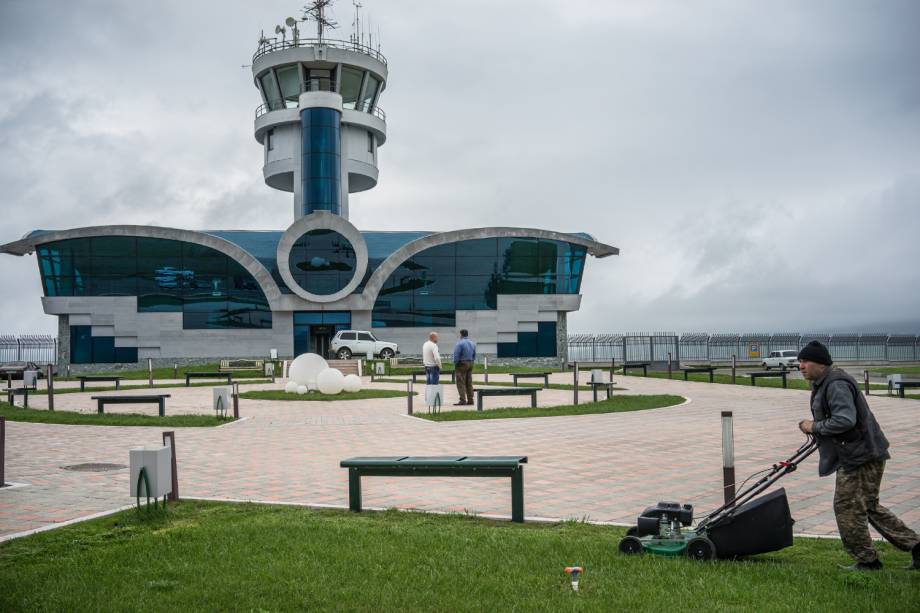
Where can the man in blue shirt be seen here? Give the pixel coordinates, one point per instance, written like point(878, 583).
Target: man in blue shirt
point(464, 358)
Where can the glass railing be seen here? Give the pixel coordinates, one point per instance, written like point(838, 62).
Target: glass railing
point(278, 105)
point(275, 45)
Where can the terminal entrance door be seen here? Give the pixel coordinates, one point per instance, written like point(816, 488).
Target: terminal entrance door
point(313, 330)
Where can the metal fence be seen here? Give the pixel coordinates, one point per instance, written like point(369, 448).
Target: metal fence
point(751, 346)
point(38, 348)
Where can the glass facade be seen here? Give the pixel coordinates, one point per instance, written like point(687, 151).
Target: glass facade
point(427, 289)
point(351, 87)
point(540, 344)
point(321, 160)
point(210, 289)
point(88, 349)
point(322, 262)
point(289, 82)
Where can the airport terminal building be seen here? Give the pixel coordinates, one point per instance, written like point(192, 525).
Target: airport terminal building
point(125, 293)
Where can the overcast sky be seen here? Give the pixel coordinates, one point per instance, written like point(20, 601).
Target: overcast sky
point(757, 163)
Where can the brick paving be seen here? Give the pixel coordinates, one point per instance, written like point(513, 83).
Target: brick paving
point(597, 467)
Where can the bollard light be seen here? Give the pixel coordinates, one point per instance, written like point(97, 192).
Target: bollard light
point(409, 395)
point(728, 456)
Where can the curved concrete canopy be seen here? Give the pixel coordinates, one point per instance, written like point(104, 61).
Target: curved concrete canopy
point(389, 265)
point(321, 220)
point(264, 278)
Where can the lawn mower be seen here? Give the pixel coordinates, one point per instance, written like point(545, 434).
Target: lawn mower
point(743, 526)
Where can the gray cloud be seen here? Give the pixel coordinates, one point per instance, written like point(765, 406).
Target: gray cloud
point(756, 163)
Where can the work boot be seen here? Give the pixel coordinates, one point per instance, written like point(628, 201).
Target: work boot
point(915, 562)
point(862, 566)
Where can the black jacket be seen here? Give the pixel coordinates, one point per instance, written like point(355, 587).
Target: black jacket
point(847, 432)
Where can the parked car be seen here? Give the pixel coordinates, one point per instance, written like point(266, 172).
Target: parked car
point(347, 343)
point(786, 358)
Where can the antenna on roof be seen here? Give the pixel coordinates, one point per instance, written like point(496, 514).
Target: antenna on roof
point(316, 11)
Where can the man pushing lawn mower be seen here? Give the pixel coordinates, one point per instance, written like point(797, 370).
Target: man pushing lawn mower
point(851, 443)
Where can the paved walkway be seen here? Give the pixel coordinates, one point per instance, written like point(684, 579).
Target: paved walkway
point(599, 467)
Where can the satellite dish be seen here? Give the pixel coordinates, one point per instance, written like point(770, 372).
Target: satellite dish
point(291, 22)
point(279, 30)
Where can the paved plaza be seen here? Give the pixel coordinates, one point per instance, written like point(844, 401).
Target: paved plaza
point(604, 468)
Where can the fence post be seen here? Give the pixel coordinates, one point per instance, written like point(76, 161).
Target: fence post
point(2, 451)
point(49, 376)
point(734, 366)
point(866, 375)
point(409, 396)
point(171, 435)
point(575, 391)
point(728, 457)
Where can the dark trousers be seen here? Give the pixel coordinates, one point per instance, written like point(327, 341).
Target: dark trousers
point(856, 503)
point(432, 375)
point(463, 372)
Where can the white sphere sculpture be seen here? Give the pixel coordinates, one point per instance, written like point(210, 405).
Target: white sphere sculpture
point(301, 389)
point(352, 383)
point(291, 387)
point(305, 368)
point(330, 381)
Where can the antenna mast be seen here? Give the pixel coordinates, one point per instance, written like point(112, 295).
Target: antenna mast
point(316, 11)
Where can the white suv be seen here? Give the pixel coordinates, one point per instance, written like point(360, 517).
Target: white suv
point(347, 343)
point(787, 358)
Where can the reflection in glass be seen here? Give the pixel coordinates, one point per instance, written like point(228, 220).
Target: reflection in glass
point(322, 261)
point(351, 87)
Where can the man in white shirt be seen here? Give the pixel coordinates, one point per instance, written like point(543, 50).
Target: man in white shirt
point(431, 358)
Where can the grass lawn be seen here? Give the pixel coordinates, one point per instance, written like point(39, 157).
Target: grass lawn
point(167, 373)
point(316, 396)
point(895, 370)
point(617, 404)
point(445, 380)
point(228, 557)
point(111, 388)
point(478, 368)
point(742, 379)
point(12, 413)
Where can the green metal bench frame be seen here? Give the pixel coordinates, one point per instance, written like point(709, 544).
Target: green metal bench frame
point(438, 466)
point(506, 391)
point(634, 365)
point(208, 375)
point(710, 369)
point(421, 373)
point(159, 399)
point(531, 375)
point(779, 373)
point(98, 378)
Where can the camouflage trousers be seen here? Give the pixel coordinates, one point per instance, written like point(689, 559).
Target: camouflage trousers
point(856, 503)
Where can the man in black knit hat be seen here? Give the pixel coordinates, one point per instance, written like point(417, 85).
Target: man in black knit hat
point(852, 444)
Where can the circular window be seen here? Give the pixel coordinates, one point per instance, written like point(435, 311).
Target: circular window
point(322, 262)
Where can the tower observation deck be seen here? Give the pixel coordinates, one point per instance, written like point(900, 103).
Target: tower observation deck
point(319, 122)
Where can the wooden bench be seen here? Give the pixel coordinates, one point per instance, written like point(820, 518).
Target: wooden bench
point(230, 365)
point(607, 385)
point(421, 373)
point(11, 392)
point(438, 466)
point(780, 373)
point(901, 385)
point(85, 378)
point(208, 375)
point(159, 399)
point(506, 391)
point(710, 369)
point(531, 375)
point(633, 365)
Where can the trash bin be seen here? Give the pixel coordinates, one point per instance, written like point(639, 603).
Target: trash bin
point(157, 462)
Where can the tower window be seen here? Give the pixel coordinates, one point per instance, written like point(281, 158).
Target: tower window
point(270, 140)
point(370, 142)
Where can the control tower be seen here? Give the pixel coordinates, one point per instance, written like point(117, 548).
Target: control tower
point(319, 122)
